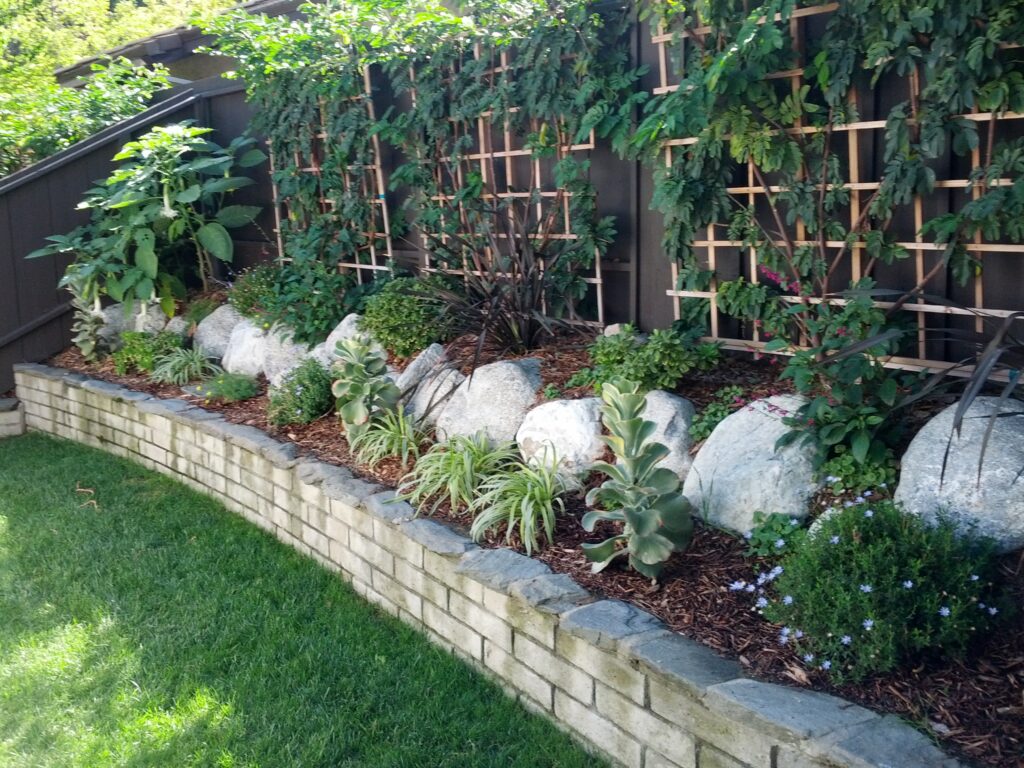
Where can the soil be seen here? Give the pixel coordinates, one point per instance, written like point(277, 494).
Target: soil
point(973, 708)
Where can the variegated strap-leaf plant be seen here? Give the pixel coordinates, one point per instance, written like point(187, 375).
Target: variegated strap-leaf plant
point(656, 518)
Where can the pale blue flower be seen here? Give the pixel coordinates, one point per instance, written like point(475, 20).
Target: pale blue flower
point(866, 588)
point(869, 513)
point(944, 610)
point(780, 543)
point(992, 610)
point(908, 584)
point(762, 602)
point(868, 624)
point(787, 600)
point(826, 665)
point(845, 639)
point(834, 540)
point(736, 586)
point(808, 657)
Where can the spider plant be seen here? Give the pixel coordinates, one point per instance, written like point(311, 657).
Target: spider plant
point(454, 471)
point(180, 366)
point(524, 498)
point(391, 432)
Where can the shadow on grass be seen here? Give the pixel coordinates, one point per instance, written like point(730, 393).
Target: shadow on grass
point(154, 628)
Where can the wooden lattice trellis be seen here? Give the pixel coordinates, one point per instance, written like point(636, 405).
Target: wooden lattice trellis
point(377, 254)
point(500, 157)
point(857, 139)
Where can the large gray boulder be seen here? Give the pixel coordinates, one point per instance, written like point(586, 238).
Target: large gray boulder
point(493, 401)
point(214, 330)
point(738, 470)
point(992, 502)
point(566, 433)
point(246, 349)
point(178, 326)
point(429, 361)
point(116, 320)
point(672, 416)
point(432, 394)
point(281, 354)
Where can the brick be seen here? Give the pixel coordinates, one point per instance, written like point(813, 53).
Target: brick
point(668, 739)
point(316, 540)
point(521, 617)
point(455, 632)
point(602, 665)
point(709, 757)
point(423, 585)
point(398, 594)
point(482, 620)
point(336, 530)
point(520, 676)
point(557, 671)
point(444, 570)
point(391, 538)
point(371, 552)
point(612, 740)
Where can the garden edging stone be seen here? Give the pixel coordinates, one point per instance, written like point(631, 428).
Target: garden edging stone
point(606, 671)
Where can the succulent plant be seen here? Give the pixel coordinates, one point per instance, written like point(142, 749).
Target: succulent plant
point(656, 518)
point(362, 386)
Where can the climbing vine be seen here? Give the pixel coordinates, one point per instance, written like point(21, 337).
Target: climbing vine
point(546, 71)
point(741, 114)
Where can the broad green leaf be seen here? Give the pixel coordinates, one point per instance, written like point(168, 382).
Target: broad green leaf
point(215, 239)
point(251, 158)
point(189, 195)
point(237, 215)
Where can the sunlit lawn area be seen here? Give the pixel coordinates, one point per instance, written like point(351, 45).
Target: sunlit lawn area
point(155, 628)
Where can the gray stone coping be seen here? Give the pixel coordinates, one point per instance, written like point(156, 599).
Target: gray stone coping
point(609, 672)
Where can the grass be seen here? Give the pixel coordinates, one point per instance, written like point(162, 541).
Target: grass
point(155, 628)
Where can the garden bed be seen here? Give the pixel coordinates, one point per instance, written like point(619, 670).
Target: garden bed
point(974, 707)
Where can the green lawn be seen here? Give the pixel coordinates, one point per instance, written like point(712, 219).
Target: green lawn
point(155, 628)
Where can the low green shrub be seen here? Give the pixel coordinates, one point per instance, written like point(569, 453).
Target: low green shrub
point(180, 366)
point(724, 402)
point(656, 518)
point(872, 588)
point(524, 499)
point(253, 293)
point(309, 298)
point(843, 474)
point(660, 362)
point(303, 397)
point(389, 433)
point(139, 351)
point(773, 535)
point(454, 471)
point(403, 317)
point(228, 388)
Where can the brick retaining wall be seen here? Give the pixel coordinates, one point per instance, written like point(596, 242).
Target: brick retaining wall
point(607, 672)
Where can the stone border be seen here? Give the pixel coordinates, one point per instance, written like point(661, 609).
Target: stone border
point(12, 417)
point(608, 673)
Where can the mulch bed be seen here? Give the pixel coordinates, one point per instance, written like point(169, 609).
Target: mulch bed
point(973, 708)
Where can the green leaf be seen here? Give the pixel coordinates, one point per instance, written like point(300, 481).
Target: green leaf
point(189, 195)
point(860, 444)
point(145, 253)
point(237, 215)
point(215, 239)
point(251, 158)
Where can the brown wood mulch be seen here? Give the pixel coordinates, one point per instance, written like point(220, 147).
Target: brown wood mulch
point(973, 708)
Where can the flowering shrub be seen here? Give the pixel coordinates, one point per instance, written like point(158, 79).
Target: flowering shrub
point(253, 294)
point(304, 395)
point(872, 587)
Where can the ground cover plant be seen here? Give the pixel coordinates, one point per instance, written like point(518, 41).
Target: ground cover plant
point(180, 366)
point(140, 351)
point(228, 388)
point(146, 625)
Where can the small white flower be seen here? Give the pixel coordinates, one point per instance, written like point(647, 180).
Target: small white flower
point(908, 584)
point(787, 600)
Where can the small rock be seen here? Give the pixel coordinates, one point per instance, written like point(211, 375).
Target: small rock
point(433, 394)
point(672, 416)
point(566, 432)
point(246, 349)
point(214, 330)
point(738, 470)
point(280, 355)
point(614, 329)
point(349, 328)
point(493, 401)
point(992, 502)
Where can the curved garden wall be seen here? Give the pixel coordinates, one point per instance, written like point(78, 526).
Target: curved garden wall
point(609, 673)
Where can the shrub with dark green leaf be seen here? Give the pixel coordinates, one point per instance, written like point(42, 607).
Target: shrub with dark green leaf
point(656, 518)
point(228, 388)
point(180, 366)
point(303, 397)
point(660, 362)
point(403, 316)
point(139, 351)
point(724, 402)
point(309, 298)
point(254, 291)
point(523, 498)
point(454, 471)
point(872, 588)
